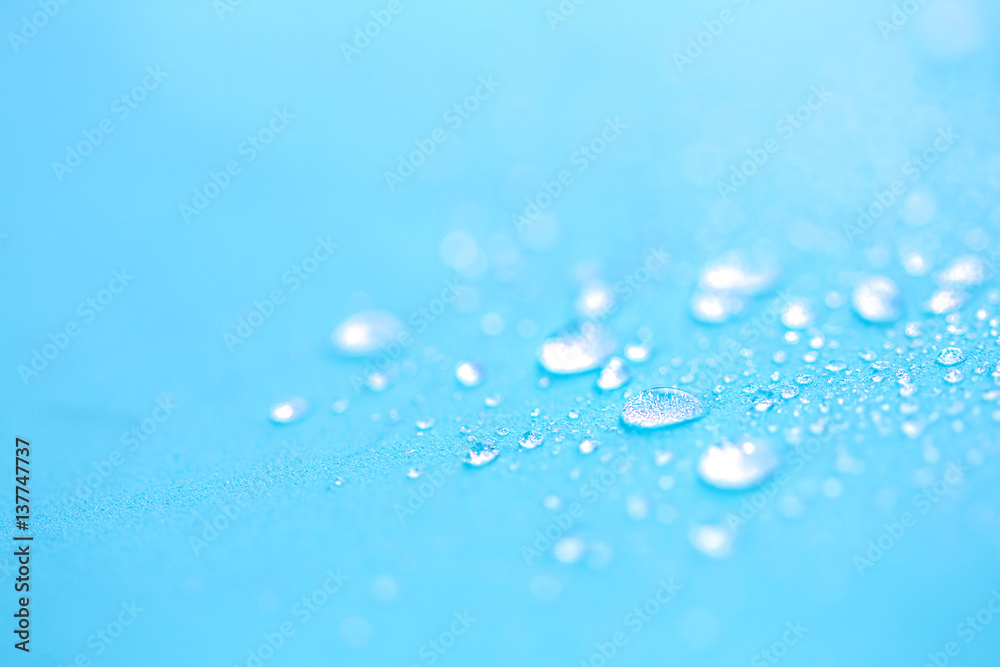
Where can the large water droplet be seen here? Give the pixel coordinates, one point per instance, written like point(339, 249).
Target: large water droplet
point(481, 454)
point(469, 373)
point(365, 333)
point(797, 314)
point(613, 375)
point(950, 356)
point(580, 346)
point(944, 301)
point(966, 271)
point(531, 439)
point(876, 299)
point(662, 406)
point(737, 466)
point(289, 411)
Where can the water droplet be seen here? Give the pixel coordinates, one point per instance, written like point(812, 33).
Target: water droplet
point(289, 411)
point(953, 376)
point(836, 366)
point(734, 272)
point(531, 439)
point(425, 424)
point(636, 506)
point(876, 299)
point(797, 314)
point(734, 467)
point(596, 300)
point(713, 541)
point(574, 414)
point(338, 481)
point(493, 400)
point(613, 375)
point(789, 391)
point(481, 454)
point(568, 550)
point(638, 352)
point(715, 307)
point(377, 381)
point(663, 406)
point(803, 379)
point(365, 333)
point(580, 346)
point(588, 446)
point(966, 271)
point(339, 406)
point(763, 405)
point(950, 356)
point(469, 373)
point(944, 301)
point(414, 473)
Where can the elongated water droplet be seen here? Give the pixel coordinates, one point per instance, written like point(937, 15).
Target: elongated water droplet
point(715, 307)
point(638, 352)
point(944, 301)
point(289, 411)
point(425, 424)
point(613, 375)
point(876, 299)
point(481, 454)
point(735, 272)
point(579, 347)
point(365, 333)
point(737, 466)
point(966, 271)
point(663, 406)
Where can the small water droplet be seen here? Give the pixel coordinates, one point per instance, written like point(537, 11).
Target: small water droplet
point(737, 466)
point(613, 375)
point(414, 473)
point(425, 424)
point(713, 541)
point(588, 446)
point(944, 301)
point(663, 406)
point(876, 299)
point(339, 406)
point(596, 300)
point(966, 271)
point(377, 381)
point(715, 307)
point(836, 366)
point(950, 356)
point(531, 439)
point(579, 347)
point(568, 550)
point(481, 454)
point(638, 352)
point(953, 376)
point(736, 272)
point(803, 379)
point(493, 400)
point(574, 414)
point(789, 391)
point(797, 314)
point(469, 373)
point(365, 333)
point(289, 411)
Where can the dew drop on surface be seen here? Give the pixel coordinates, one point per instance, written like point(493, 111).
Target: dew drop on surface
point(737, 466)
point(944, 301)
point(493, 400)
point(613, 375)
point(365, 333)
point(836, 366)
point(950, 356)
point(469, 373)
point(289, 411)
point(803, 379)
point(715, 307)
point(762, 406)
point(797, 315)
point(596, 300)
point(574, 414)
point(579, 347)
point(568, 550)
point(425, 424)
point(588, 446)
point(638, 352)
point(531, 439)
point(713, 541)
point(966, 271)
point(481, 454)
point(377, 381)
point(414, 473)
point(876, 299)
point(734, 272)
point(789, 391)
point(953, 376)
point(339, 406)
point(663, 406)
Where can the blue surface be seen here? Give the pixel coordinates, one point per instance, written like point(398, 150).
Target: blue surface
point(339, 123)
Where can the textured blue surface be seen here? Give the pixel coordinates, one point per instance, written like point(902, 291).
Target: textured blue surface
point(343, 120)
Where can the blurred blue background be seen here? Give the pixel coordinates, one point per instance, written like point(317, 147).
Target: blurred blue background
point(332, 113)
